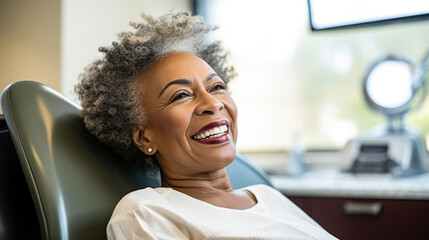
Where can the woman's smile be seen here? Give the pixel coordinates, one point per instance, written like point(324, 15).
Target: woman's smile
point(213, 133)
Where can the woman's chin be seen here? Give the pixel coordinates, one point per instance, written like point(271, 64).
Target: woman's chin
point(226, 155)
point(223, 154)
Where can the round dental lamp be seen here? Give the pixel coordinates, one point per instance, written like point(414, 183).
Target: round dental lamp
point(393, 86)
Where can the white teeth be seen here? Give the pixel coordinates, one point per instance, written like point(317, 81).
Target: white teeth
point(217, 135)
point(215, 132)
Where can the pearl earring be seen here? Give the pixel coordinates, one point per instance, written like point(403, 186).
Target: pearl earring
point(149, 150)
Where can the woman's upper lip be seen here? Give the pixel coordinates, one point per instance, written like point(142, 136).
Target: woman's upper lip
point(212, 125)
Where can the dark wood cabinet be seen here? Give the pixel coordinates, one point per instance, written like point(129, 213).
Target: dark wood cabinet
point(351, 218)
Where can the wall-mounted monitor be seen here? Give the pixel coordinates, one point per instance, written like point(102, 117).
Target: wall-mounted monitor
point(333, 14)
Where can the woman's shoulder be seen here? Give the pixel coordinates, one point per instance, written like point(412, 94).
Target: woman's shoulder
point(148, 193)
point(138, 198)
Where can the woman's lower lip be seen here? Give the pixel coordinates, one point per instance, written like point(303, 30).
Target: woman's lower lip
point(215, 140)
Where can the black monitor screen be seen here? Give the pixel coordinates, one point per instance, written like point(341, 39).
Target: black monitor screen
point(332, 14)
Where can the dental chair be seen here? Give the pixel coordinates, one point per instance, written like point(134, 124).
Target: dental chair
point(74, 180)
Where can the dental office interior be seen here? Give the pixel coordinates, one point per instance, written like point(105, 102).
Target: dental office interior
point(331, 96)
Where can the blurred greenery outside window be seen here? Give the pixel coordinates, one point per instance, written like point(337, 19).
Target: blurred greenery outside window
point(292, 78)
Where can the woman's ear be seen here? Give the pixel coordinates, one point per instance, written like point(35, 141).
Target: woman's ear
point(143, 140)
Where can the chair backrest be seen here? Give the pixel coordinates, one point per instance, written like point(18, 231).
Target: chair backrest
point(75, 181)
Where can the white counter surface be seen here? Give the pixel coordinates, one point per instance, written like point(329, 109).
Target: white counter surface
point(333, 183)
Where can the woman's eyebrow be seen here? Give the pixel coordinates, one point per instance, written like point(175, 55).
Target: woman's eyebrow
point(177, 81)
point(209, 77)
point(184, 81)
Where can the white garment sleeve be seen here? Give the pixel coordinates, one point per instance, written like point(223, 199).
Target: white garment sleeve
point(132, 225)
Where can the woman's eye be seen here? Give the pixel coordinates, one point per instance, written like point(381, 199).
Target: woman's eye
point(179, 96)
point(219, 87)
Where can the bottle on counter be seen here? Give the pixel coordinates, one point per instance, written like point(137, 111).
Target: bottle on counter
point(295, 165)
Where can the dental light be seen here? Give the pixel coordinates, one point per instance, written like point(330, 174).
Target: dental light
point(393, 86)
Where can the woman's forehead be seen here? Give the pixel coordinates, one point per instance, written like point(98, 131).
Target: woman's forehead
point(182, 65)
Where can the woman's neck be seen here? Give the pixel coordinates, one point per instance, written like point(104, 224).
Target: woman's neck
point(198, 185)
point(213, 188)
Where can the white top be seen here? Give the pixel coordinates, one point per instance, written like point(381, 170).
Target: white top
point(164, 213)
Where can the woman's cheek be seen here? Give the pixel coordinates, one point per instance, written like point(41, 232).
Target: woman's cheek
point(233, 111)
point(175, 121)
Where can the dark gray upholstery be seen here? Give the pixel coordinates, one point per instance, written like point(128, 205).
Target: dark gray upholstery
point(74, 180)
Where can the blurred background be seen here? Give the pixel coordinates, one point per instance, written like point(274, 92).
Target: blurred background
point(294, 84)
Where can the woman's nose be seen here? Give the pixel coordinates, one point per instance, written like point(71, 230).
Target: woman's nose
point(208, 104)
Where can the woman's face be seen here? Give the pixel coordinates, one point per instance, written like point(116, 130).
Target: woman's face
point(191, 117)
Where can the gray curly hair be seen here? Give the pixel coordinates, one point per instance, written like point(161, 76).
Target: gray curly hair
point(107, 89)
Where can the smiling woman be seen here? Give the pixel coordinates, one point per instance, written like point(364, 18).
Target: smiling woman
point(107, 91)
point(159, 97)
point(184, 99)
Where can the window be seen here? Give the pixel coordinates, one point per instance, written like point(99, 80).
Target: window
point(292, 78)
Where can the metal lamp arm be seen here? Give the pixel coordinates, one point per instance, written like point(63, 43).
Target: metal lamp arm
point(419, 73)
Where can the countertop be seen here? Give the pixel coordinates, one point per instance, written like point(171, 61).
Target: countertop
point(334, 183)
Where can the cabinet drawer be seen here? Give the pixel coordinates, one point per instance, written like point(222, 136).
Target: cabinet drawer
point(369, 218)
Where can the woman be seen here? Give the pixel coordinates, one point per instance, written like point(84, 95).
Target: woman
point(159, 97)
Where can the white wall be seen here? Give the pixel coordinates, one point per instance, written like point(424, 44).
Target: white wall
point(87, 25)
point(30, 42)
